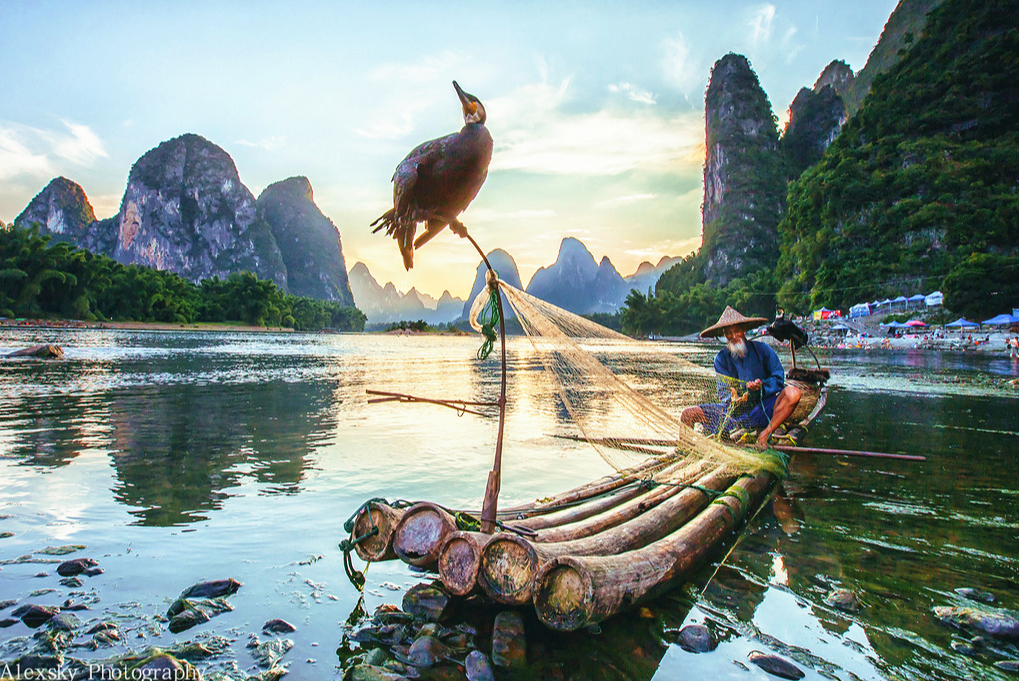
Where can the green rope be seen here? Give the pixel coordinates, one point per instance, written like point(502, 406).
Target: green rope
point(489, 318)
point(348, 545)
point(712, 493)
point(736, 492)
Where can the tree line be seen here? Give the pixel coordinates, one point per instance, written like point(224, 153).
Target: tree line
point(40, 279)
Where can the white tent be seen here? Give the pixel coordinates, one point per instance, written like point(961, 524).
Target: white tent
point(935, 299)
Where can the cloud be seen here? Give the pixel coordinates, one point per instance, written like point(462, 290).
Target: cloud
point(25, 150)
point(544, 138)
point(633, 92)
point(624, 200)
point(679, 67)
point(761, 20)
point(267, 143)
point(488, 215)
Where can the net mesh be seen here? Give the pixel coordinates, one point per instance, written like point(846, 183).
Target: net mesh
point(634, 401)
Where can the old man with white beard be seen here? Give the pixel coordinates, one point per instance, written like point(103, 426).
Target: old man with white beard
point(756, 397)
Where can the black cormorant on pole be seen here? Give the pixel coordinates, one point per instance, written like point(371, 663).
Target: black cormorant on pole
point(438, 180)
point(783, 329)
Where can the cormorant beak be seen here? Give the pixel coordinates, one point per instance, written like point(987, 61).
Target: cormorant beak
point(470, 107)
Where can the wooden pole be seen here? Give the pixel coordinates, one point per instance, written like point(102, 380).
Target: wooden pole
point(490, 506)
point(848, 452)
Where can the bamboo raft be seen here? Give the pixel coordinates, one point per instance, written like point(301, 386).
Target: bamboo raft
point(588, 553)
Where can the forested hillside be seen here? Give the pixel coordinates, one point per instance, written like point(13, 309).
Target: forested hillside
point(920, 189)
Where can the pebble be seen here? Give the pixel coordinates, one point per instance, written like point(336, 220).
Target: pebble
point(1008, 665)
point(777, 666)
point(509, 644)
point(696, 638)
point(64, 622)
point(278, 626)
point(844, 600)
point(7, 622)
point(478, 667)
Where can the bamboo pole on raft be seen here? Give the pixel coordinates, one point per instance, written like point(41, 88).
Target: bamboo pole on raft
point(490, 506)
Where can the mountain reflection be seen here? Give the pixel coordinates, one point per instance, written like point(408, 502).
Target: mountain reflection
point(179, 436)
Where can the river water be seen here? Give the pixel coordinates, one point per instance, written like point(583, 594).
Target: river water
point(175, 458)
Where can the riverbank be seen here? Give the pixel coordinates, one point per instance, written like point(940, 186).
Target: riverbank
point(74, 324)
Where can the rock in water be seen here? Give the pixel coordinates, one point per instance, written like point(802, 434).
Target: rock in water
point(69, 568)
point(975, 595)
point(34, 615)
point(267, 655)
point(478, 667)
point(40, 351)
point(509, 644)
point(775, 665)
point(221, 587)
point(185, 613)
point(843, 599)
point(427, 651)
point(696, 638)
point(995, 623)
point(278, 627)
point(427, 601)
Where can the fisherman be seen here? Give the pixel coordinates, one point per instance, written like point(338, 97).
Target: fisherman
point(769, 402)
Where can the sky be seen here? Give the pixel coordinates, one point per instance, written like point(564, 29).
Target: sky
point(596, 108)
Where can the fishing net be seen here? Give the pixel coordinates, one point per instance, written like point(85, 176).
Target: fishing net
point(635, 402)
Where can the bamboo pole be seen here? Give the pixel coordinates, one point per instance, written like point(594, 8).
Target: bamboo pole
point(378, 546)
point(459, 559)
point(510, 563)
point(417, 536)
point(571, 592)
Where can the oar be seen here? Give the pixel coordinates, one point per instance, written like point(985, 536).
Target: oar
point(848, 452)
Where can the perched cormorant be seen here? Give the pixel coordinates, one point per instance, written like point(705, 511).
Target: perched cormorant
point(438, 180)
point(784, 330)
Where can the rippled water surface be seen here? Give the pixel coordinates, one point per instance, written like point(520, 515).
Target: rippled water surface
point(176, 458)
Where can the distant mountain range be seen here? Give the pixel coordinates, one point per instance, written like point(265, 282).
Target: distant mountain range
point(574, 282)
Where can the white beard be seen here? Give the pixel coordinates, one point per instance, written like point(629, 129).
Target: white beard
point(737, 349)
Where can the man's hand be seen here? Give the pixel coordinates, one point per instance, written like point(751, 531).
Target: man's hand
point(755, 384)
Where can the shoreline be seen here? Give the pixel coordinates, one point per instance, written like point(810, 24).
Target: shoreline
point(77, 325)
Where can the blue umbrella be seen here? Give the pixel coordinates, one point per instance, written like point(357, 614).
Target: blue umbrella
point(963, 323)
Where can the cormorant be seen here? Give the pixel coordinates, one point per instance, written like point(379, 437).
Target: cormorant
point(784, 330)
point(438, 180)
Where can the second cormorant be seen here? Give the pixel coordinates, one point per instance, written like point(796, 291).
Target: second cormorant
point(438, 180)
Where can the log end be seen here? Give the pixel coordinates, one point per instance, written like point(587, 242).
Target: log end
point(417, 536)
point(378, 546)
point(564, 594)
point(459, 561)
point(508, 566)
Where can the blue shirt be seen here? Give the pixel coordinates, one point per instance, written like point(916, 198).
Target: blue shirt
point(761, 362)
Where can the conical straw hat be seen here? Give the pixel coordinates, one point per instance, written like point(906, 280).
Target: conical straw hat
point(732, 318)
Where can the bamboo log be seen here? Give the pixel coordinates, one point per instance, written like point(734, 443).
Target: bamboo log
point(378, 546)
point(571, 592)
point(459, 559)
point(418, 534)
point(592, 518)
point(509, 564)
point(589, 490)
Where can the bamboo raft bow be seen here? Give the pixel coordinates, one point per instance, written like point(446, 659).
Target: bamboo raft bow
point(587, 553)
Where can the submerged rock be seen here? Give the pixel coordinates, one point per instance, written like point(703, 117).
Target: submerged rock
point(267, 655)
point(777, 666)
point(509, 644)
point(75, 566)
point(990, 622)
point(696, 638)
point(367, 672)
point(7, 622)
point(844, 600)
point(478, 667)
point(34, 615)
point(427, 601)
point(64, 622)
point(40, 351)
point(185, 613)
point(426, 651)
point(278, 626)
point(1008, 665)
point(215, 589)
point(975, 595)
point(72, 582)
